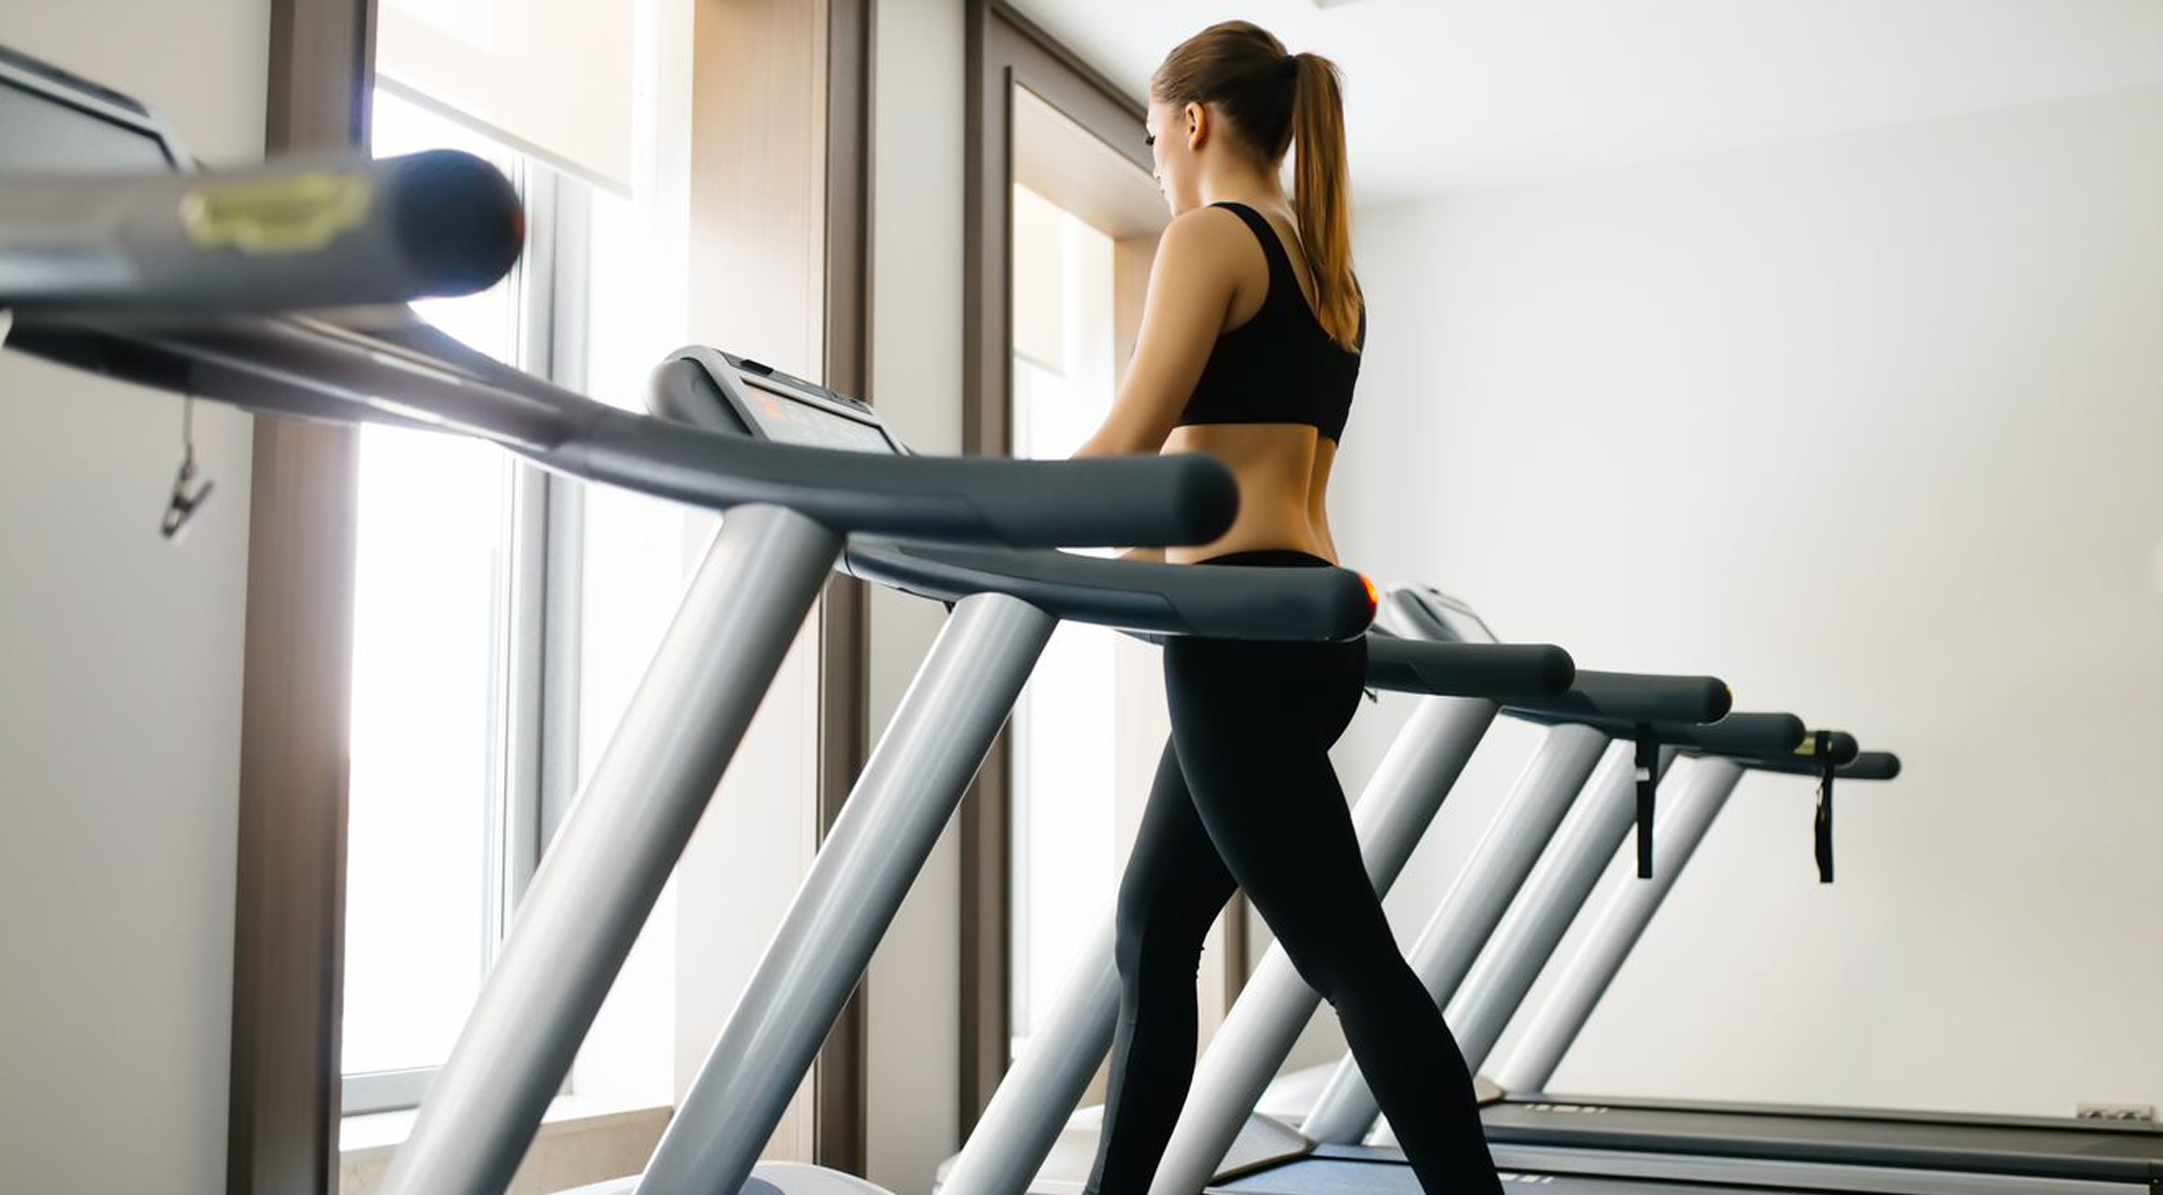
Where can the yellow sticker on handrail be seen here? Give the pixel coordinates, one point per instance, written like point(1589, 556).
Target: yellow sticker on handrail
point(301, 213)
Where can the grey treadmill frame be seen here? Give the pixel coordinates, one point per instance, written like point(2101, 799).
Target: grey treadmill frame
point(1613, 931)
point(1025, 1118)
point(1482, 1005)
point(1630, 905)
point(1219, 1132)
point(1620, 920)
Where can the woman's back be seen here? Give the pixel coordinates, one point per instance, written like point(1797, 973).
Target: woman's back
point(1274, 394)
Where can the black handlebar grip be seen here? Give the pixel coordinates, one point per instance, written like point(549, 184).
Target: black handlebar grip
point(1867, 765)
point(1496, 671)
point(1633, 697)
point(1751, 734)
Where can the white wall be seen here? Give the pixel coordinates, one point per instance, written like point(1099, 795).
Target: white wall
point(916, 370)
point(1871, 426)
point(120, 673)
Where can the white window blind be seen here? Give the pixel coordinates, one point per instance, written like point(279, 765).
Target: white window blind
point(553, 78)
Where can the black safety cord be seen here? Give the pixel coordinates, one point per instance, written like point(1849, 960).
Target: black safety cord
point(1824, 825)
point(1648, 780)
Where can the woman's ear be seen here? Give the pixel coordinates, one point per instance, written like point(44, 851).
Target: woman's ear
point(1198, 130)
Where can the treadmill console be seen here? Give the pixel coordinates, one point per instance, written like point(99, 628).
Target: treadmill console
point(758, 400)
point(52, 122)
point(1421, 612)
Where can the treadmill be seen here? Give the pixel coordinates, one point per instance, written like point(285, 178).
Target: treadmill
point(1020, 1144)
point(1834, 1148)
point(1972, 1153)
point(1819, 1148)
point(1480, 997)
point(1004, 605)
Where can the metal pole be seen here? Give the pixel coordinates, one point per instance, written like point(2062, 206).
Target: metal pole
point(1521, 945)
point(908, 791)
point(1621, 921)
point(593, 892)
point(1211, 1123)
point(1465, 919)
point(1023, 1122)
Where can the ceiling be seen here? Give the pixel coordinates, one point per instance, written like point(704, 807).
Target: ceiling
point(1452, 94)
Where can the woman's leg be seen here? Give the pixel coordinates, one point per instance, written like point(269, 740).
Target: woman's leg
point(1172, 890)
point(1253, 723)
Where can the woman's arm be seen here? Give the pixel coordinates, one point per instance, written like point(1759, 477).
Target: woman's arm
point(1191, 285)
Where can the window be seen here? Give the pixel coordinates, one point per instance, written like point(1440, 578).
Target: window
point(1064, 860)
point(463, 664)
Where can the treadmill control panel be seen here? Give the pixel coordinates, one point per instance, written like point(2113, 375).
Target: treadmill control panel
point(54, 123)
point(775, 406)
point(1421, 612)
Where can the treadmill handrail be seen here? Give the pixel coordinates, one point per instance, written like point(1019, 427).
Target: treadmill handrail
point(1867, 765)
point(1496, 671)
point(1840, 747)
point(295, 233)
point(1223, 601)
point(310, 368)
point(1751, 735)
point(1632, 697)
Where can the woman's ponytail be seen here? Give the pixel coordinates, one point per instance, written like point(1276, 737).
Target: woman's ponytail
point(1321, 196)
point(1280, 101)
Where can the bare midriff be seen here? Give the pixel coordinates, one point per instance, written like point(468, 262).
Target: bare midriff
point(1276, 467)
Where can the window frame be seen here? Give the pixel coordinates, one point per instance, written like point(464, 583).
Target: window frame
point(533, 715)
point(1005, 50)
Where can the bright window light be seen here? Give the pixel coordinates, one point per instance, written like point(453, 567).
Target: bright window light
point(430, 602)
point(1064, 864)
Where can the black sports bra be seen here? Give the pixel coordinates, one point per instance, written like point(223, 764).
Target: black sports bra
point(1280, 366)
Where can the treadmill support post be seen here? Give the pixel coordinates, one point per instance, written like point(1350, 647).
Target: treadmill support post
point(908, 791)
point(1251, 1046)
point(1491, 991)
point(1621, 921)
point(1480, 895)
point(1020, 1125)
point(593, 892)
point(1018, 1129)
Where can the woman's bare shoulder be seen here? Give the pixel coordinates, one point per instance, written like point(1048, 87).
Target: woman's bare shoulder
point(1207, 236)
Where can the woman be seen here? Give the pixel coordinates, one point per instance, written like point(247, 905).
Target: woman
point(1248, 350)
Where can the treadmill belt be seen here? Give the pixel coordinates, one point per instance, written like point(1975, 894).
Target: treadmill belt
point(1352, 1170)
point(2068, 1151)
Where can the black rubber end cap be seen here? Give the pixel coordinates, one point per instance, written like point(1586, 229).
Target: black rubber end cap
point(1719, 700)
point(1842, 747)
point(1558, 670)
point(457, 218)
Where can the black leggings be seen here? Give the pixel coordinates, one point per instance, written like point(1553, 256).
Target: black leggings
point(1245, 797)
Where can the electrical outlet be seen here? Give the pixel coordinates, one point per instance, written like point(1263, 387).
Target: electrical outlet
point(2144, 1113)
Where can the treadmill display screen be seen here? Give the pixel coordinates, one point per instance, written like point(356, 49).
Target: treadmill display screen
point(789, 417)
point(40, 134)
point(1437, 617)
